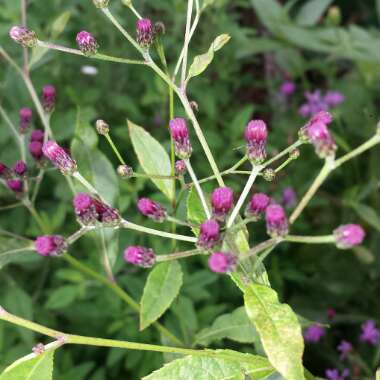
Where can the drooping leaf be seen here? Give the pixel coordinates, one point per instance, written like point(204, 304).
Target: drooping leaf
point(162, 287)
point(311, 12)
point(279, 330)
point(153, 158)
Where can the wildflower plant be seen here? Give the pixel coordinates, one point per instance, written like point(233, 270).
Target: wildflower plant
point(218, 223)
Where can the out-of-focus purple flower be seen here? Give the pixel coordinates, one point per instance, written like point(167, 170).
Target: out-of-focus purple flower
point(35, 149)
point(222, 262)
point(314, 333)
point(321, 138)
point(209, 234)
point(276, 221)
point(349, 236)
point(256, 134)
point(316, 102)
point(50, 245)
point(37, 135)
point(5, 172)
point(181, 137)
point(26, 115)
point(152, 209)
point(331, 313)
point(87, 43)
point(180, 167)
point(221, 200)
point(23, 36)
point(257, 205)
point(20, 168)
point(140, 256)
point(145, 32)
point(48, 98)
point(344, 348)
point(370, 333)
point(288, 88)
point(59, 157)
point(16, 185)
point(334, 98)
point(334, 374)
point(289, 197)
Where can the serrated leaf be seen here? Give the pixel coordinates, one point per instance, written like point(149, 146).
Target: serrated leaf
point(38, 368)
point(235, 326)
point(311, 12)
point(201, 62)
point(153, 158)
point(161, 288)
point(223, 365)
point(279, 330)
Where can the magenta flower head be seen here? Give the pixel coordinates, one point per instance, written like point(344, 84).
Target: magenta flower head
point(5, 172)
point(289, 197)
point(370, 333)
point(25, 119)
point(276, 221)
point(322, 117)
point(48, 98)
point(209, 234)
point(221, 200)
point(35, 149)
point(256, 134)
point(257, 205)
point(59, 157)
point(50, 245)
point(23, 36)
point(87, 43)
point(349, 236)
point(16, 185)
point(344, 348)
point(140, 256)
point(152, 209)
point(37, 135)
point(319, 135)
point(334, 374)
point(144, 32)
point(222, 262)
point(181, 138)
point(180, 167)
point(314, 333)
point(288, 88)
point(334, 98)
point(20, 168)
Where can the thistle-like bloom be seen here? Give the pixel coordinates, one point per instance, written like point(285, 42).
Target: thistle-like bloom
point(59, 157)
point(334, 98)
point(209, 234)
point(319, 135)
point(101, 3)
point(35, 149)
point(334, 374)
point(25, 119)
point(180, 167)
point(37, 135)
point(20, 168)
point(257, 205)
point(344, 348)
point(48, 98)
point(50, 245)
point(180, 136)
point(152, 209)
point(289, 197)
point(370, 333)
point(276, 221)
point(87, 43)
point(16, 185)
point(140, 256)
point(314, 333)
point(222, 262)
point(221, 201)
point(349, 236)
point(256, 135)
point(5, 172)
point(288, 88)
point(23, 36)
point(144, 32)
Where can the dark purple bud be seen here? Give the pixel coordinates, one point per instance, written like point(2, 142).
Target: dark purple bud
point(222, 200)
point(48, 98)
point(140, 256)
point(276, 220)
point(180, 136)
point(87, 43)
point(37, 135)
point(20, 168)
point(180, 167)
point(25, 119)
point(35, 149)
point(222, 262)
point(50, 245)
point(257, 205)
point(59, 157)
point(108, 216)
point(5, 172)
point(289, 197)
point(23, 36)
point(144, 32)
point(16, 185)
point(209, 234)
point(349, 236)
point(256, 135)
point(151, 209)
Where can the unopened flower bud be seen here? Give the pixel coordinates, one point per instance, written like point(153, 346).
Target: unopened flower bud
point(25, 119)
point(102, 127)
point(152, 209)
point(48, 98)
point(334, 16)
point(180, 135)
point(144, 32)
point(23, 36)
point(16, 185)
point(209, 234)
point(5, 172)
point(20, 168)
point(37, 135)
point(294, 154)
point(269, 175)
point(221, 200)
point(87, 43)
point(50, 245)
point(125, 171)
point(222, 262)
point(159, 28)
point(180, 167)
point(140, 256)
point(288, 88)
point(194, 106)
point(349, 236)
point(35, 149)
point(256, 134)
point(59, 157)
point(276, 221)
point(257, 205)
point(322, 140)
point(101, 3)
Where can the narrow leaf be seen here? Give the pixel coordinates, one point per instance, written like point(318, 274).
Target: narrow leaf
point(162, 287)
point(311, 12)
point(13, 250)
point(270, 12)
point(195, 211)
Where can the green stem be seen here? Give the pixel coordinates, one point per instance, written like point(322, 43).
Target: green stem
point(284, 164)
point(177, 221)
point(179, 255)
point(113, 146)
point(36, 216)
point(186, 42)
point(311, 239)
point(155, 176)
point(286, 151)
point(86, 184)
point(263, 246)
point(106, 260)
point(13, 129)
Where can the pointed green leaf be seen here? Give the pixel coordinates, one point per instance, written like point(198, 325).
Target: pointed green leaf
point(161, 288)
point(195, 211)
point(378, 374)
point(153, 157)
point(311, 12)
point(13, 249)
point(270, 12)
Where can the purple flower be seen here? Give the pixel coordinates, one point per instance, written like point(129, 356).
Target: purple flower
point(180, 136)
point(334, 98)
point(344, 348)
point(333, 374)
point(35, 149)
point(209, 234)
point(256, 134)
point(319, 135)
point(87, 43)
point(23, 36)
point(48, 98)
point(322, 117)
point(25, 119)
point(289, 197)
point(140, 256)
point(145, 32)
point(50, 245)
point(59, 157)
point(180, 167)
point(349, 236)
point(5, 172)
point(37, 135)
point(16, 185)
point(288, 88)
point(20, 168)
point(257, 205)
point(314, 333)
point(316, 102)
point(370, 333)
point(152, 209)
point(276, 221)
point(221, 200)
point(222, 262)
